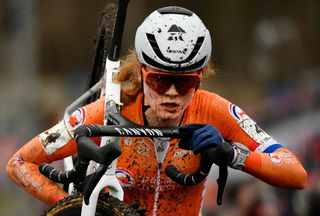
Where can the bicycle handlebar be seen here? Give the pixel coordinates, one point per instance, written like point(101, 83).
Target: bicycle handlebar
point(208, 157)
point(88, 150)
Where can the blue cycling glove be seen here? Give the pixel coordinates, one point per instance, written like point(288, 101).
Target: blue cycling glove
point(203, 137)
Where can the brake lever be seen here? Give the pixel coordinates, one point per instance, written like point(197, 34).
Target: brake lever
point(222, 180)
point(215, 155)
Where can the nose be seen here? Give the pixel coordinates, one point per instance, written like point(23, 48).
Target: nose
point(172, 91)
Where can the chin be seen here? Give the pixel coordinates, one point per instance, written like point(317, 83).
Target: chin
point(168, 116)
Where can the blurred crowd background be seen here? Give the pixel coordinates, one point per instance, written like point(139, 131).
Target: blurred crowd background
point(267, 56)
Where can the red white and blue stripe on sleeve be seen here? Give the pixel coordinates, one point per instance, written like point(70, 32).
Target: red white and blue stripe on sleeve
point(263, 141)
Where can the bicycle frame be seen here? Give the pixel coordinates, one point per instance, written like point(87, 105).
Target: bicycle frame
point(110, 90)
point(111, 93)
point(109, 179)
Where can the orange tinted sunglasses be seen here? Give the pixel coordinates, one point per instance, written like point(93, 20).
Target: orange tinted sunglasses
point(161, 81)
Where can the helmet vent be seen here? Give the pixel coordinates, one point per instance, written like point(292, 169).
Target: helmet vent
point(175, 10)
point(175, 28)
point(180, 69)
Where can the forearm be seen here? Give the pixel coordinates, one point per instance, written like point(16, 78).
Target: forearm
point(27, 176)
point(280, 168)
point(23, 169)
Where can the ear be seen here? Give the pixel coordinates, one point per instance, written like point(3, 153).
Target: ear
point(141, 80)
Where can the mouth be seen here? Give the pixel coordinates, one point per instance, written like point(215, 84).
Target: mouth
point(170, 106)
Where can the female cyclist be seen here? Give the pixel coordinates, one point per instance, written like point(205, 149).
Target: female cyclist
point(172, 54)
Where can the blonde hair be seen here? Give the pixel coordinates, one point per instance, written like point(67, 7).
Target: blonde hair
point(130, 76)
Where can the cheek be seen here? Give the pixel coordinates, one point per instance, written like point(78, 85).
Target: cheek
point(150, 96)
point(191, 91)
point(187, 98)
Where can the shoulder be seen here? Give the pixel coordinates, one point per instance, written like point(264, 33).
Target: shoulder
point(89, 114)
point(94, 112)
point(204, 99)
point(209, 107)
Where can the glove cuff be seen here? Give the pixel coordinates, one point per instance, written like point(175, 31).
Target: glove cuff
point(241, 152)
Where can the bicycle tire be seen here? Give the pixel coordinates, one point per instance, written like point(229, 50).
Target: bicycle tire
point(107, 205)
point(102, 48)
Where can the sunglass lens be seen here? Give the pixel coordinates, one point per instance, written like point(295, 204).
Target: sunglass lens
point(185, 84)
point(160, 83)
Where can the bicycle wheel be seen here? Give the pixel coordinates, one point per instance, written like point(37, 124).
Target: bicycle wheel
point(107, 205)
point(102, 47)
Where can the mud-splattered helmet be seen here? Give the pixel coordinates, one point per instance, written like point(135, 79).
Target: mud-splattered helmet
point(173, 39)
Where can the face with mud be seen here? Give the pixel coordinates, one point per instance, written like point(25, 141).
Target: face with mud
point(165, 109)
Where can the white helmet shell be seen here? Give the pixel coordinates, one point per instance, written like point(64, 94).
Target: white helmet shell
point(173, 39)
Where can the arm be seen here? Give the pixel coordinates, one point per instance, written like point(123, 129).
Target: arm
point(267, 159)
point(51, 145)
point(23, 169)
point(280, 168)
point(271, 163)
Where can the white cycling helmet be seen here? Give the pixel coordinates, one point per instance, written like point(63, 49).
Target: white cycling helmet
point(173, 39)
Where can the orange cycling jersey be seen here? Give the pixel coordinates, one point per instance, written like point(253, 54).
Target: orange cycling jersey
point(141, 166)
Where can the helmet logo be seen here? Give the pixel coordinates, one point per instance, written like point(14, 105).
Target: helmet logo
point(175, 33)
point(175, 28)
